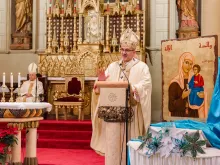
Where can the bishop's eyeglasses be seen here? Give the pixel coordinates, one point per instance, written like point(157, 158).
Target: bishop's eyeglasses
point(126, 50)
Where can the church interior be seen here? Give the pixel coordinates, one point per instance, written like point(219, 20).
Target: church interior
point(109, 82)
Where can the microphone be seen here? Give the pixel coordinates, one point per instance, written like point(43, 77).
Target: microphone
point(122, 70)
point(36, 86)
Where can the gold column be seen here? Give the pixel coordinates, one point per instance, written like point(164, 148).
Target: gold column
point(122, 21)
point(62, 34)
point(74, 34)
point(80, 29)
point(138, 12)
point(49, 39)
point(107, 47)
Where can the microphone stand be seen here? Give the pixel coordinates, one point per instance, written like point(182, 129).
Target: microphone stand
point(126, 118)
point(126, 112)
point(36, 89)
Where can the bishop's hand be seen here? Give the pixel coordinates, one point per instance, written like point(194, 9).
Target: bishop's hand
point(101, 75)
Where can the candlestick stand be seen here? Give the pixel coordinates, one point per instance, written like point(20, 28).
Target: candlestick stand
point(11, 98)
point(3, 94)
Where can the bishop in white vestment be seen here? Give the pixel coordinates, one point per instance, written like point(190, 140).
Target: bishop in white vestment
point(139, 78)
point(29, 87)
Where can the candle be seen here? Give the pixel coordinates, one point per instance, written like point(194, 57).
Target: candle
point(62, 7)
point(50, 5)
point(108, 6)
point(19, 80)
point(123, 7)
point(3, 79)
point(74, 11)
point(11, 80)
point(138, 7)
point(46, 8)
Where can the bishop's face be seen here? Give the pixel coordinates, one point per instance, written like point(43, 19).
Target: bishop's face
point(127, 53)
point(32, 76)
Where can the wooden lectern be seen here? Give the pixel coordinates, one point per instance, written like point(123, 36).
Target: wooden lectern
point(113, 110)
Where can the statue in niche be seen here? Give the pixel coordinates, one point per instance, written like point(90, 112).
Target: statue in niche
point(21, 38)
point(23, 15)
point(92, 29)
point(187, 14)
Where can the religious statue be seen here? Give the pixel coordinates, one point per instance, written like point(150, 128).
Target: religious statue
point(93, 30)
point(23, 15)
point(187, 13)
point(22, 36)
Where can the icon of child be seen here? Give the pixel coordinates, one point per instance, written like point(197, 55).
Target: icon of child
point(196, 96)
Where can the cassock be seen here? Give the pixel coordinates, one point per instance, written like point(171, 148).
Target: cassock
point(29, 87)
point(140, 79)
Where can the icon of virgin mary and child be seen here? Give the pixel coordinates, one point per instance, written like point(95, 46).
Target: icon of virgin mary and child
point(187, 97)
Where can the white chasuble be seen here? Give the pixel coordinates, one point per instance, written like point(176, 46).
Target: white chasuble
point(139, 78)
point(29, 87)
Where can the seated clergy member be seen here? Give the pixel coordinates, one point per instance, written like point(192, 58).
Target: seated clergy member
point(139, 78)
point(28, 88)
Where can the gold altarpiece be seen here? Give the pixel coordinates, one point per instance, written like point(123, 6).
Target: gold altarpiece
point(84, 35)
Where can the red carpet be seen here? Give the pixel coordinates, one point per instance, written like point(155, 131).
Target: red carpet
point(64, 143)
point(68, 157)
point(64, 134)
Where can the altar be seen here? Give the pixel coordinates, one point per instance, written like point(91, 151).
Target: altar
point(83, 36)
point(24, 116)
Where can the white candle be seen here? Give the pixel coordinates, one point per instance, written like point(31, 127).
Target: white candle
point(11, 80)
point(19, 80)
point(46, 9)
point(3, 79)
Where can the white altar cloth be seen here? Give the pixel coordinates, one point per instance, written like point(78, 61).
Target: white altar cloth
point(138, 157)
point(25, 105)
point(212, 157)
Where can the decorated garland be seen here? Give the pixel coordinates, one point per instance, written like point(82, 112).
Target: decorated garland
point(166, 142)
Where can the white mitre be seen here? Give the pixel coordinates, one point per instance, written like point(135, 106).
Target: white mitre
point(32, 68)
point(129, 38)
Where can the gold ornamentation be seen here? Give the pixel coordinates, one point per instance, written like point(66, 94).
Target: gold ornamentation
point(27, 113)
point(114, 114)
point(33, 113)
point(114, 40)
point(129, 8)
point(38, 113)
point(19, 126)
point(3, 94)
point(82, 54)
point(8, 114)
point(31, 124)
point(69, 9)
point(11, 98)
point(54, 42)
point(56, 9)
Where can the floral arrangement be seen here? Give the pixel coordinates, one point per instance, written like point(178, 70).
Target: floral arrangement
point(168, 141)
point(7, 138)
